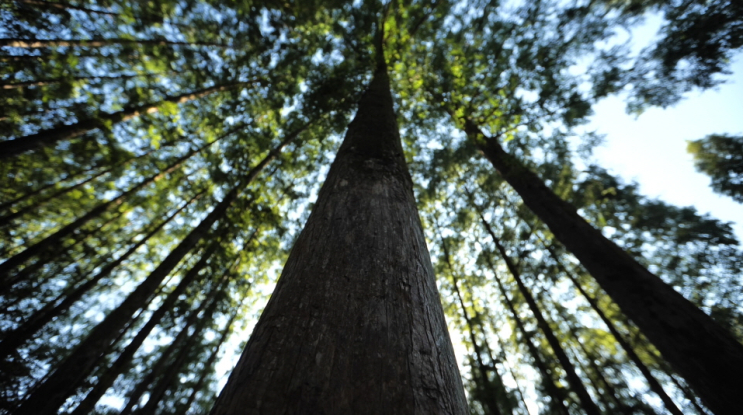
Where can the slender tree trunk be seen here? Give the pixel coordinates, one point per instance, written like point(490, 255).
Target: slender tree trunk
point(355, 324)
point(65, 6)
point(97, 43)
point(490, 395)
point(55, 308)
point(105, 380)
point(11, 148)
point(589, 406)
point(36, 249)
point(704, 353)
point(653, 383)
point(208, 365)
point(165, 382)
point(46, 398)
point(557, 395)
point(47, 82)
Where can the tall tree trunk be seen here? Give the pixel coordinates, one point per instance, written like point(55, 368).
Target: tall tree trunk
point(653, 383)
point(11, 148)
point(47, 82)
point(557, 395)
point(46, 398)
point(589, 406)
point(105, 380)
point(36, 249)
point(165, 382)
point(209, 363)
point(491, 396)
point(355, 323)
point(704, 353)
point(55, 308)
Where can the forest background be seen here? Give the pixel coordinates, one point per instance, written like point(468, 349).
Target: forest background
point(160, 161)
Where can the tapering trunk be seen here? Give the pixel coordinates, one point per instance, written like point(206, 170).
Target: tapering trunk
point(653, 383)
point(38, 248)
point(355, 324)
point(620, 406)
point(557, 395)
point(55, 308)
point(105, 380)
point(11, 148)
point(589, 406)
point(45, 399)
point(704, 353)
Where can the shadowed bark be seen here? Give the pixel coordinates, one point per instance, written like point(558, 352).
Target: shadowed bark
point(355, 324)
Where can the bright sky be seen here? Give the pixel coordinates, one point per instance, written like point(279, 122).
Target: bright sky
point(651, 149)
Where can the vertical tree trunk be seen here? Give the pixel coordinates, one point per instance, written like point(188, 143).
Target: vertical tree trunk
point(209, 363)
point(704, 353)
point(490, 398)
point(46, 398)
point(355, 324)
point(589, 406)
point(557, 395)
point(653, 383)
point(105, 380)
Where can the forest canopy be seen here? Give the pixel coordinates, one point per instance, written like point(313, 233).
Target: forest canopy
point(160, 160)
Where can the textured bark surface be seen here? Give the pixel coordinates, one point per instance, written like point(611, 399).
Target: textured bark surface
point(705, 354)
point(355, 324)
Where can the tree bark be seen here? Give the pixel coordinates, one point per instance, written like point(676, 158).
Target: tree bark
point(355, 324)
point(12, 148)
point(589, 406)
point(705, 354)
point(46, 399)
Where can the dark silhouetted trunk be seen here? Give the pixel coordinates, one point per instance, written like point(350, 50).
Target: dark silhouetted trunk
point(56, 237)
point(208, 365)
point(488, 396)
point(50, 136)
point(653, 383)
point(355, 323)
point(105, 380)
point(55, 308)
point(96, 43)
point(556, 394)
point(704, 353)
point(46, 398)
point(587, 403)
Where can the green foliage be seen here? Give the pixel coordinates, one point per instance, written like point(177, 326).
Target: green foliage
point(721, 158)
point(300, 66)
